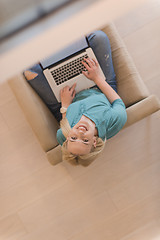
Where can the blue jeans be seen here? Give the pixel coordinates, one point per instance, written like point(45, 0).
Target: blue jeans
point(100, 45)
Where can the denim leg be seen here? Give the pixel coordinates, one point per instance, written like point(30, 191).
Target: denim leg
point(42, 88)
point(99, 42)
point(100, 45)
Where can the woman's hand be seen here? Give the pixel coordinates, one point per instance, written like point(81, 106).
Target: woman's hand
point(93, 70)
point(67, 95)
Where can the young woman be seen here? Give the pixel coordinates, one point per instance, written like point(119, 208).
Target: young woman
point(91, 116)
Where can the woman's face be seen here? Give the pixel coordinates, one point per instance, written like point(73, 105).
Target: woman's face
point(82, 137)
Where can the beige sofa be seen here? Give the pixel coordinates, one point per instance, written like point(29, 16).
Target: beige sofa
point(131, 88)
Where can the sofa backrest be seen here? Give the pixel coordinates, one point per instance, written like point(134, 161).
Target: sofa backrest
point(131, 87)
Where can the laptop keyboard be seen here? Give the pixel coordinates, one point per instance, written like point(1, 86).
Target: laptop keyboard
point(69, 70)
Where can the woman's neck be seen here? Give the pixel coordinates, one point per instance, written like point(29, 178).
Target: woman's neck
point(91, 122)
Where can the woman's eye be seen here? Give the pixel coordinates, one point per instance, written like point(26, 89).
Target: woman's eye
point(85, 140)
point(73, 138)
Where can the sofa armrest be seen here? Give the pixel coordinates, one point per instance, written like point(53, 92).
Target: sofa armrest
point(142, 109)
point(41, 120)
point(54, 156)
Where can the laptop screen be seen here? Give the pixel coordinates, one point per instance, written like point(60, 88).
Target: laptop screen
point(65, 52)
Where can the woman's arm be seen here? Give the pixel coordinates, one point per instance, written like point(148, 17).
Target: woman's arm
point(93, 73)
point(67, 95)
point(107, 90)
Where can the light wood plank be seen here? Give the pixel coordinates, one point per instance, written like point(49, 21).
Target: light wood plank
point(125, 222)
point(137, 187)
point(31, 189)
point(3, 125)
point(21, 165)
point(137, 18)
point(11, 227)
point(150, 231)
point(61, 203)
point(75, 220)
point(143, 46)
point(12, 114)
point(14, 140)
point(6, 94)
point(153, 85)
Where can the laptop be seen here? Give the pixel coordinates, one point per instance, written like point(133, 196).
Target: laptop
point(65, 67)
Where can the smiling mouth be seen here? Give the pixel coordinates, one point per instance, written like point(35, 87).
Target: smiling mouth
point(82, 127)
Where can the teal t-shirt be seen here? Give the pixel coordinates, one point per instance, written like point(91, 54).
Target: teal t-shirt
point(92, 103)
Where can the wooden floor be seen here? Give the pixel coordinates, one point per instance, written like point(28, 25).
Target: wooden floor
point(118, 196)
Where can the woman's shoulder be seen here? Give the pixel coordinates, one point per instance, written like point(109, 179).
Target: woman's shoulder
point(118, 103)
point(118, 118)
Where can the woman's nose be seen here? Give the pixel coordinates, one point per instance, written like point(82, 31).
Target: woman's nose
point(80, 132)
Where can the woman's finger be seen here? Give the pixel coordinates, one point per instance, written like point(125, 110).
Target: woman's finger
point(95, 61)
point(86, 65)
point(73, 93)
point(90, 62)
point(73, 87)
point(87, 60)
point(63, 89)
point(85, 73)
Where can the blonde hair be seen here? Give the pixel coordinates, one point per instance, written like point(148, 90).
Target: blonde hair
point(75, 160)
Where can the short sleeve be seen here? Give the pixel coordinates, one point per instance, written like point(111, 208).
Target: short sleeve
point(60, 137)
point(118, 118)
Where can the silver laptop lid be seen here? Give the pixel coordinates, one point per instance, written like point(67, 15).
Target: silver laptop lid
point(70, 50)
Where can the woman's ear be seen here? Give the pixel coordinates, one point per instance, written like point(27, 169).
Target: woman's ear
point(94, 142)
